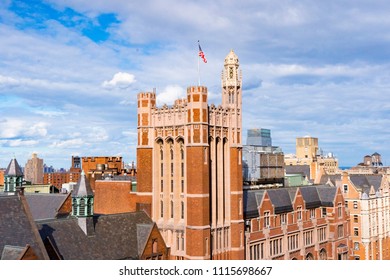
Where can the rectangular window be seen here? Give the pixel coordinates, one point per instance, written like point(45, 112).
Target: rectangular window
point(257, 251)
point(355, 205)
point(266, 219)
point(182, 186)
point(283, 218)
point(345, 186)
point(171, 186)
point(162, 185)
point(312, 213)
point(324, 212)
point(321, 234)
point(275, 247)
point(356, 246)
point(293, 242)
point(346, 204)
point(340, 231)
point(171, 169)
point(308, 237)
point(339, 210)
point(299, 213)
point(162, 170)
point(182, 169)
point(355, 231)
point(355, 218)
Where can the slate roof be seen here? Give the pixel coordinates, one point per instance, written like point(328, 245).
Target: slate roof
point(326, 195)
point(17, 227)
point(311, 197)
point(115, 237)
point(298, 169)
point(13, 168)
point(44, 206)
point(364, 182)
point(252, 199)
point(332, 178)
point(281, 199)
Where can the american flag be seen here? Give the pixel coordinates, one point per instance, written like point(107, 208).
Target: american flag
point(201, 54)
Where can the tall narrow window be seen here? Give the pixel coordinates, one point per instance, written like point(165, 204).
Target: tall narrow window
point(299, 213)
point(171, 209)
point(182, 210)
point(266, 219)
point(171, 186)
point(161, 209)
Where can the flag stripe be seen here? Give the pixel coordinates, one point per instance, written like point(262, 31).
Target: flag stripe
point(201, 54)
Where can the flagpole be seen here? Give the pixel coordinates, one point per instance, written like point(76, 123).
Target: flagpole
point(198, 68)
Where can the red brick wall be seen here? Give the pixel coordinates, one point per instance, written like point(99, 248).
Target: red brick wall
point(112, 197)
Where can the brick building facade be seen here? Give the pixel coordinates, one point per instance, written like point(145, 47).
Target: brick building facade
point(306, 223)
point(189, 173)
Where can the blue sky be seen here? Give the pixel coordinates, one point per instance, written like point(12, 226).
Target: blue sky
point(70, 71)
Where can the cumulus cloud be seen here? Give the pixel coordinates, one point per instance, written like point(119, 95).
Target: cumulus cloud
point(120, 80)
point(170, 94)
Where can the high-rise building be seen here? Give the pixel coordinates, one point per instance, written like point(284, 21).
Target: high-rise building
point(263, 164)
point(33, 170)
point(189, 170)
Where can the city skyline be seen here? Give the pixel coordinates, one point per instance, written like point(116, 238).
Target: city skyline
point(70, 72)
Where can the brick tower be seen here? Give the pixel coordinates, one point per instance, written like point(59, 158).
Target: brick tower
point(189, 172)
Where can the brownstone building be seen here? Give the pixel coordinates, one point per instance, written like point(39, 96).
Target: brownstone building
point(189, 170)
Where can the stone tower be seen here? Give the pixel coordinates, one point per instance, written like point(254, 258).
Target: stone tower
point(189, 173)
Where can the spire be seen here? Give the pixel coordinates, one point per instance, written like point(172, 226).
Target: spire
point(83, 188)
point(13, 168)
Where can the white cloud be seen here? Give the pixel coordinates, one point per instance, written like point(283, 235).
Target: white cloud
point(38, 129)
point(170, 94)
point(12, 128)
point(71, 143)
point(120, 80)
point(18, 143)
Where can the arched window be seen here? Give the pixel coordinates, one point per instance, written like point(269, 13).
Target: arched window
point(309, 257)
point(323, 254)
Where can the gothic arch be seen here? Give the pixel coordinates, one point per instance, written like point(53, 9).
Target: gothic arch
point(159, 140)
point(323, 254)
point(309, 257)
point(169, 139)
point(179, 139)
